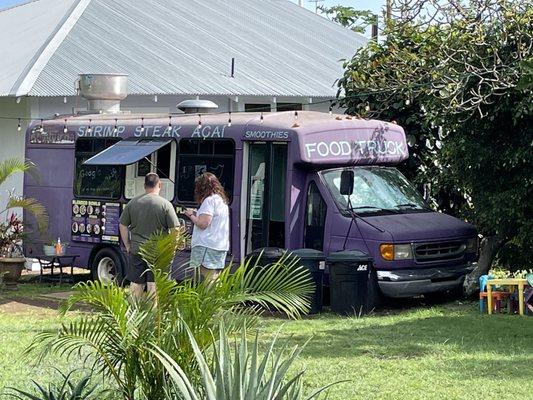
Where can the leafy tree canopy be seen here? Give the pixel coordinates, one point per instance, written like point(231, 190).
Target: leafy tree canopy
point(457, 75)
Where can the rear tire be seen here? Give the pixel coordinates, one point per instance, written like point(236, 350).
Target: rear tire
point(108, 266)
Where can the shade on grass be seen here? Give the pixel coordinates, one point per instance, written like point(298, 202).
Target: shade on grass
point(441, 352)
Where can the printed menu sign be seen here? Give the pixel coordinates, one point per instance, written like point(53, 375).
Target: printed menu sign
point(95, 221)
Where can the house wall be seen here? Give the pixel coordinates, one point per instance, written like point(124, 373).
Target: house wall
point(12, 141)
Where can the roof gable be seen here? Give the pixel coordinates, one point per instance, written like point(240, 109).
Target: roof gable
point(186, 47)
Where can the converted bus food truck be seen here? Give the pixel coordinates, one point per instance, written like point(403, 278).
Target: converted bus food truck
point(311, 180)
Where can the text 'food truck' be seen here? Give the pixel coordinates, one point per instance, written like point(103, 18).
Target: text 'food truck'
point(324, 182)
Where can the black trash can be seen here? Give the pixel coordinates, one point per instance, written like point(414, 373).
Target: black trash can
point(314, 261)
point(349, 281)
point(266, 256)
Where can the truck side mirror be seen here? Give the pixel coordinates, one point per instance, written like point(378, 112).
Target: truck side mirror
point(347, 178)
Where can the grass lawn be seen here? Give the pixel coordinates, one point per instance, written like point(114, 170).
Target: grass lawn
point(445, 351)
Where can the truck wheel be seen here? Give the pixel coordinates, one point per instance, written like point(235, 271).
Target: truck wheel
point(373, 294)
point(107, 266)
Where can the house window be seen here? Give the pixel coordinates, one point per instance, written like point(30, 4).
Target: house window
point(257, 107)
point(288, 107)
point(197, 156)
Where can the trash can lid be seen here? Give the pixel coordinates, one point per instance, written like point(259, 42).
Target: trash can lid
point(269, 252)
point(308, 254)
point(349, 255)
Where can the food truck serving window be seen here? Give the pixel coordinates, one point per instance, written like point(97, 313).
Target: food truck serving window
point(197, 156)
point(99, 181)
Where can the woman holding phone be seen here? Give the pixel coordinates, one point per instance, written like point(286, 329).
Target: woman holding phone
point(210, 237)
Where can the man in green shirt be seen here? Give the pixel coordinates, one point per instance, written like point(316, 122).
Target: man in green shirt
point(143, 216)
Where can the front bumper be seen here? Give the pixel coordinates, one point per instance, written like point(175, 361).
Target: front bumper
point(414, 282)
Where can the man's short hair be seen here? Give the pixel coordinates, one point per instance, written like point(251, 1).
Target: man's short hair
point(151, 180)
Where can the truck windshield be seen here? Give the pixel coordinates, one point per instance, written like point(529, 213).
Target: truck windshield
point(375, 190)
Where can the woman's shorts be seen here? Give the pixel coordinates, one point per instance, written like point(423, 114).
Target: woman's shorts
point(207, 258)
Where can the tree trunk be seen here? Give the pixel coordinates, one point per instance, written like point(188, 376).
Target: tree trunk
point(490, 246)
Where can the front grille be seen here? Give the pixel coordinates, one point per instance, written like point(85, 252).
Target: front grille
point(439, 251)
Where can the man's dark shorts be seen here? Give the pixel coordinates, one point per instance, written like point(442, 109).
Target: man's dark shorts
point(138, 271)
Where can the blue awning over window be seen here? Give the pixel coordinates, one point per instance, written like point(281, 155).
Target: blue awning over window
point(127, 151)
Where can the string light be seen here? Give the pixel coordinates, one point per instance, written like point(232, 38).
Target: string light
point(170, 123)
point(41, 129)
point(367, 107)
point(18, 126)
point(89, 129)
point(115, 128)
point(261, 119)
point(199, 121)
point(331, 107)
point(229, 119)
point(65, 130)
point(142, 125)
point(296, 115)
point(296, 124)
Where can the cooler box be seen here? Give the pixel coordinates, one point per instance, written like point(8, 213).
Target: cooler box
point(348, 272)
point(314, 261)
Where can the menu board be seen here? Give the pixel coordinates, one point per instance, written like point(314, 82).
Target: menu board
point(95, 221)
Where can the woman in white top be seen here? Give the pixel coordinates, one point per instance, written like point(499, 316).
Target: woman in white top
point(210, 237)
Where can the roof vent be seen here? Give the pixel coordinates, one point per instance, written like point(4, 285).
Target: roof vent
point(197, 106)
point(103, 91)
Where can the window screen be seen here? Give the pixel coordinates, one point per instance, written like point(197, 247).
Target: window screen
point(100, 181)
point(197, 156)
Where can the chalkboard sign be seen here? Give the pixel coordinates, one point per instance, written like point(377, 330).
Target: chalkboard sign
point(102, 181)
point(191, 166)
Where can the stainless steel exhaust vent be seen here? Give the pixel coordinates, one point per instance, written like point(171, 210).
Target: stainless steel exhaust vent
point(103, 91)
point(197, 106)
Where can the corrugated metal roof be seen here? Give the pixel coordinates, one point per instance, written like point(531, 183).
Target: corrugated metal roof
point(186, 46)
point(24, 33)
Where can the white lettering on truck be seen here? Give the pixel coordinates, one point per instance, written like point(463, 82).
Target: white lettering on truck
point(369, 148)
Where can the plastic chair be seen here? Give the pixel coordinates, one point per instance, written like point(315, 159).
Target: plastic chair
point(497, 296)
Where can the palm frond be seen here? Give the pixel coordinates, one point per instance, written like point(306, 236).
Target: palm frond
point(12, 166)
point(32, 206)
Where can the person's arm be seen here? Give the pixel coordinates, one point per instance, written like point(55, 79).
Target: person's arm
point(125, 222)
point(204, 215)
point(202, 221)
point(125, 235)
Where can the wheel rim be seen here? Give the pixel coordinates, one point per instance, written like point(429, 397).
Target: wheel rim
point(106, 270)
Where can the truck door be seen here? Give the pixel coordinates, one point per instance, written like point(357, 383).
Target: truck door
point(265, 215)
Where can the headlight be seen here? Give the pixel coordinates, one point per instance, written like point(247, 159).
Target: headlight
point(472, 245)
point(392, 252)
point(403, 252)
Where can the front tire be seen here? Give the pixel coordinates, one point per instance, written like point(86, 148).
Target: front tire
point(108, 266)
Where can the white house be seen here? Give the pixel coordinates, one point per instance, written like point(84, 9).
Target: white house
point(283, 57)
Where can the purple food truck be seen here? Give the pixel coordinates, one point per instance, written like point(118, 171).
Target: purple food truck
point(305, 180)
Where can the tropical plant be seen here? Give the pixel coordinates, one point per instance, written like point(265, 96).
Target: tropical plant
point(237, 374)
point(457, 76)
point(66, 389)
point(11, 229)
point(119, 335)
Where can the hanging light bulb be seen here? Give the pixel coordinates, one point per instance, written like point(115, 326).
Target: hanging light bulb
point(115, 128)
point(169, 123)
point(296, 115)
point(89, 129)
point(19, 128)
point(407, 102)
point(65, 130)
point(229, 119)
point(199, 121)
point(331, 107)
point(367, 107)
point(41, 129)
point(261, 119)
point(142, 125)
